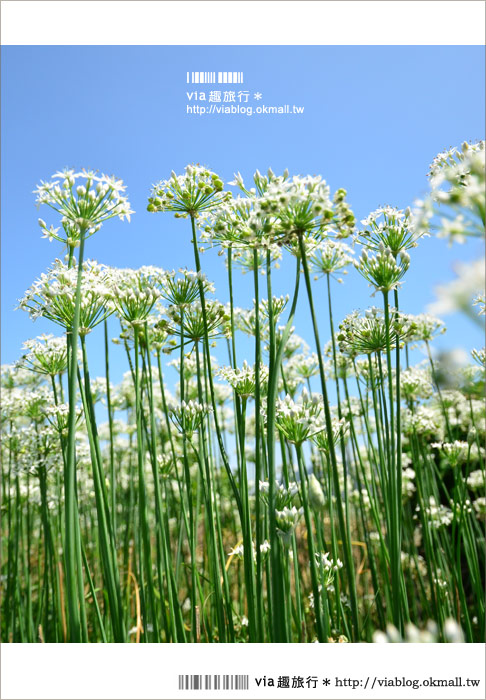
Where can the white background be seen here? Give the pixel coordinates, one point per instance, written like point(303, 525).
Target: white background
point(129, 671)
point(259, 22)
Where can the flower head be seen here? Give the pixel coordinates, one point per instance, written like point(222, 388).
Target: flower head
point(197, 191)
point(244, 380)
point(389, 228)
point(52, 295)
point(45, 354)
point(84, 200)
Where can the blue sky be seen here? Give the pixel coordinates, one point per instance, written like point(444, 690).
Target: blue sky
point(374, 117)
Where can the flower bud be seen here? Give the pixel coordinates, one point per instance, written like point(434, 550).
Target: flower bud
point(316, 495)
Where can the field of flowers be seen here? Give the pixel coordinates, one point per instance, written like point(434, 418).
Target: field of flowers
point(329, 490)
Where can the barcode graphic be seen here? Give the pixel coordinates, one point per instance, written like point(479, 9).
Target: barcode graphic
point(213, 77)
point(208, 682)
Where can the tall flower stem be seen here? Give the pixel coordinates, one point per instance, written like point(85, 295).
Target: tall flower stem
point(175, 615)
point(107, 541)
point(145, 556)
point(343, 524)
point(322, 627)
point(276, 354)
point(395, 479)
point(110, 428)
point(72, 559)
point(258, 464)
point(219, 436)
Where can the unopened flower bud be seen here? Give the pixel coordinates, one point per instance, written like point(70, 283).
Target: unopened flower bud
point(316, 495)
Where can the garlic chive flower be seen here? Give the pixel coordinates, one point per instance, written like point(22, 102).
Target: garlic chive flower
point(286, 520)
point(58, 416)
point(296, 206)
point(240, 222)
point(52, 295)
point(299, 421)
point(322, 440)
point(327, 567)
point(383, 271)
point(479, 356)
point(243, 380)
point(45, 354)
point(239, 550)
point(344, 220)
point(234, 223)
point(455, 207)
point(284, 495)
point(426, 328)
point(181, 290)
point(261, 182)
point(329, 257)
point(196, 192)
point(189, 416)
point(480, 300)
point(135, 293)
point(416, 383)
point(476, 480)
point(190, 323)
point(84, 200)
point(303, 365)
point(389, 228)
point(366, 334)
point(454, 452)
point(244, 258)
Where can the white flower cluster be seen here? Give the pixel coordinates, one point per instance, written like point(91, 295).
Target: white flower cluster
point(366, 334)
point(235, 223)
point(389, 228)
point(239, 550)
point(198, 190)
point(243, 380)
point(135, 293)
point(330, 256)
point(479, 356)
point(415, 383)
point(437, 515)
point(325, 563)
point(457, 194)
point(277, 209)
point(287, 520)
point(284, 495)
point(304, 365)
point(323, 441)
point(298, 421)
point(384, 270)
point(452, 633)
point(455, 452)
point(52, 295)
point(408, 486)
point(427, 327)
point(480, 300)
point(189, 416)
point(84, 200)
point(476, 480)
point(182, 289)
point(45, 354)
